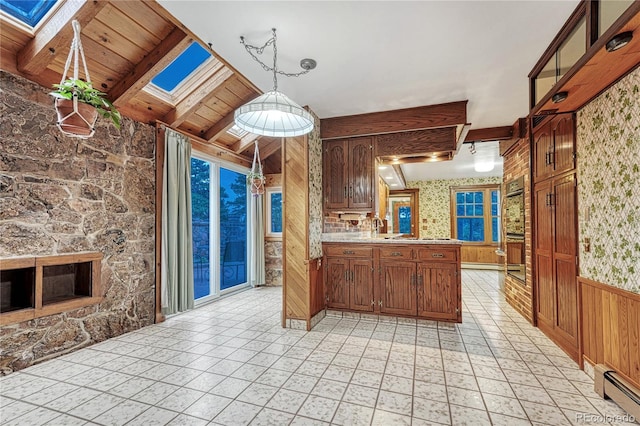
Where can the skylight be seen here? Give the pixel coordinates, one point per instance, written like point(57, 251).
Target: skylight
point(170, 77)
point(237, 132)
point(28, 11)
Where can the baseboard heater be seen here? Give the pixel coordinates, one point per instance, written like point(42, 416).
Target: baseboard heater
point(609, 384)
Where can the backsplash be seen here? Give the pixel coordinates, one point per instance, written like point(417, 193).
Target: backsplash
point(435, 203)
point(608, 146)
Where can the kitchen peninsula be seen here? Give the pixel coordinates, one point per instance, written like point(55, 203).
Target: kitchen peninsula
point(387, 275)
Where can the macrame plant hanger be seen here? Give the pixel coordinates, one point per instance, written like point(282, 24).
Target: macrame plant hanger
point(77, 119)
point(257, 177)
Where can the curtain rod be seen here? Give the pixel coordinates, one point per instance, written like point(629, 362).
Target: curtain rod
point(162, 125)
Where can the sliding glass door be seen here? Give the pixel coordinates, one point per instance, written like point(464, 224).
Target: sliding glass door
point(219, 199)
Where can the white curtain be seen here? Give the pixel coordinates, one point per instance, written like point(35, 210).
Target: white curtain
point(256, 242)
point(177, 250)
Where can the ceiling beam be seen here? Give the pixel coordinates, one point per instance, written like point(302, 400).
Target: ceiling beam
point(56, 34)
point(245, 142)
point(157, 60)
point(442, 156)
point(400, 120)
point(203, 93)
point(270, 147)
point(418, 142)
point(400, 174)
point(220, 128)
point(489, 134)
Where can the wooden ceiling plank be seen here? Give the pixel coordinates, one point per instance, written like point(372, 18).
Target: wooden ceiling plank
point(56, 34)
point(121, 24)
point(203, 93)
point(417, 142)
point(245, 142)
point(169, 49)
point(143, 13)
point(489, 134)
point(400, 120)
point(221, 127)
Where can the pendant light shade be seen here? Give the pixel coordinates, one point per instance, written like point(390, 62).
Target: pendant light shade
point(273, 114)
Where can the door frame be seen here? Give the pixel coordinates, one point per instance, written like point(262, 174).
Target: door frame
point(414, 201)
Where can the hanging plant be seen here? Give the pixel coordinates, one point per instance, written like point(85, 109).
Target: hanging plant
point(77, 102)
point(255, 178)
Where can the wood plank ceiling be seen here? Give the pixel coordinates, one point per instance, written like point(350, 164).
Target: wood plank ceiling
point(126, 44)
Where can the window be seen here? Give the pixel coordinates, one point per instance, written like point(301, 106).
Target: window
point(29, 12)
point(273, 222)
point(219, 201)
point(476, 213)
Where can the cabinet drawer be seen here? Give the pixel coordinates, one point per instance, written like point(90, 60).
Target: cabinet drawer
point(396, 253)
point(350, 251)
point(438, 255)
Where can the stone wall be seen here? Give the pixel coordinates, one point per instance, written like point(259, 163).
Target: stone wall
point(273, 262)
point(64, 195)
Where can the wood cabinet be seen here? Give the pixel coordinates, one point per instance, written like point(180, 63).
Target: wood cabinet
point(349, 173)
point(349, 280)
point(554, 147)
point(555, 232)
point(411, 280)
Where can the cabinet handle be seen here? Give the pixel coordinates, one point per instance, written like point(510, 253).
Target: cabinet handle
point(379, 302)
point(440, 255)
point(346, 276)
point(396, 253)
point(352, 276)
point(552, 158)
point(351, 192)
point(345, 192)
point(348, 252)
point(373, 303)
point(546, 158)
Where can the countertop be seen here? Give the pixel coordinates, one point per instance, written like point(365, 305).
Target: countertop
point(367, 238)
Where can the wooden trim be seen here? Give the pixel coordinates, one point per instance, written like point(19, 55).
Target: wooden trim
point(160, 135)
point(55, 35)
point(400, 120)
point(400, 174)
point(15, 317)
point(163, 54)
point(489, 134)
point(212, 149)
point(17, 263)
point(283, 176)
point(68, 258)
point(414, 203)
point(38, 289)
point(67, 305)
point(417, 142)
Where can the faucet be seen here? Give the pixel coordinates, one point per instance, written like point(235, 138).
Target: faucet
point(376, 222)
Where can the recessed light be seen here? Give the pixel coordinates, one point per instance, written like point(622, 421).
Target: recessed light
point(619, 40)
point(382, 167)
point(394, 184)
point(559, 97)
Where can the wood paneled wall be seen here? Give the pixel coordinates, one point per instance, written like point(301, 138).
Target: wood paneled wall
point(295, 197)
point(610, 320)
point(480, 254)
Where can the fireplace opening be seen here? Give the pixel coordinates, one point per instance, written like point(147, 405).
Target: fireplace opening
point(65, 282)
point(17, 288)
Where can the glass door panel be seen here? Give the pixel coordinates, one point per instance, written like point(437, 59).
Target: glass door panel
point(233, 228)
point(200, 223)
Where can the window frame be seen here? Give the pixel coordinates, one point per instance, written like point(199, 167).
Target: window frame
point(273, 236)
point(487, 216)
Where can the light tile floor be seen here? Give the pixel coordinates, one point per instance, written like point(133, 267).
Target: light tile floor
point(231, 363)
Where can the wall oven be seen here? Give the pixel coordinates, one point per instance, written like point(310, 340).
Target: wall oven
point(515, 226)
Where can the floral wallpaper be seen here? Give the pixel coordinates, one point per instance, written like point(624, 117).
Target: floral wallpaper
point(435, 209)
point(608, 147)
point(315, 190)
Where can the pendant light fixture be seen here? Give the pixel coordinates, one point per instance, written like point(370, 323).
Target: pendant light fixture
point(274, 113)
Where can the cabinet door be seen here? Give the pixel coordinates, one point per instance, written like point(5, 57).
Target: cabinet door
point(565, 255)
point(397, 288)
point(545, 288)
point(336, 283)
point(335, 179)
point(438, 290)
point(361, 162)
point(542, 151)
point(564, 147)
point(361, 285)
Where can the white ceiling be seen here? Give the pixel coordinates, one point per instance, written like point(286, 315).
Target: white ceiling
point(384, 55)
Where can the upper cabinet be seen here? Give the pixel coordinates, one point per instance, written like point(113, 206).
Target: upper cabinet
point(554, 146)
point(349, 174)
point(590, 52)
